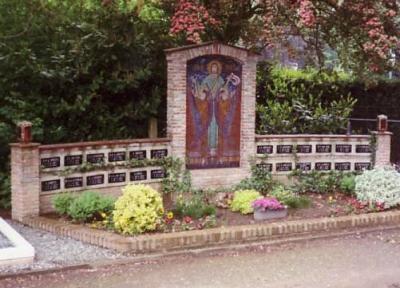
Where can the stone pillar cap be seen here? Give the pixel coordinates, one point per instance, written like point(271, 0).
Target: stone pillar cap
point(25, 124)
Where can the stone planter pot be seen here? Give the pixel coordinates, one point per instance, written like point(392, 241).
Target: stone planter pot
point(261, 214)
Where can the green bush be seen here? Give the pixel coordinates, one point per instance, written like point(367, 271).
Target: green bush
point(195, 208)
point(289, 198)
point(67, 61)
point(380, 185)
point(299, 202)
point(292, 102)
point(260, 180)
point(243, 199)
point(282, 194)
point(317, 182)
point(5, 188)
point(62, 202)
point(89, 205)
point(138, 210)
point(348, 184)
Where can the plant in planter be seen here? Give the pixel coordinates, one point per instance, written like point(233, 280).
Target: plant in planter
point(268, 208)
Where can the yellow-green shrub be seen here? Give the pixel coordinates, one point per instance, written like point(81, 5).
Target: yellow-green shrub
point(242, 200)
point(137, 210)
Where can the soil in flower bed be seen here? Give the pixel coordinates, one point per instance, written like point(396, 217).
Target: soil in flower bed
point(322, 205)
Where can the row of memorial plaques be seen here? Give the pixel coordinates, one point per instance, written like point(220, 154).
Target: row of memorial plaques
point(319, 166)
point(93, 180)
point(97, 158)
point(319, 148)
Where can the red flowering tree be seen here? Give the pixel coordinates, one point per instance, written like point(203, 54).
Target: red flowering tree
point(191, 19)
point(362, 32)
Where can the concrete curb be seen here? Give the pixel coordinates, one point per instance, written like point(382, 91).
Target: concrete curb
point(46, 271)
point(152, 243)
point(20, 251)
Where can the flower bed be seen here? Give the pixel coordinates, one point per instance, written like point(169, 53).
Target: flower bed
point(140, 210)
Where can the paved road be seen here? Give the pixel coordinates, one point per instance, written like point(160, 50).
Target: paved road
point(371, 260)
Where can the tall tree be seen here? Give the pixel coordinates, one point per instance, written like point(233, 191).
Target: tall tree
point(364, 33)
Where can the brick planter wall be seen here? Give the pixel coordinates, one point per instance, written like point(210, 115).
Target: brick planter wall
point(209, 237)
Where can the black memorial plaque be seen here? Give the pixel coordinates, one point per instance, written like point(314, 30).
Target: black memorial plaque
point(94, 180)
point(343, 166)
point(159, 153)
point(362, 166)
point(116, 177)
point(283, 167)
point(324, 148)
point(363, 149)
point(306, 166)
point(73, 160)
point(95, 158)
point(157, 174)
point(138, 155)
point(323, 166)
point(51, 162)
point(265, 149)
point(265, 166)
point(73, 182)
point(343, 148)
point(51, 185)
point(303, 149)
point(284, 149)
point(116, 156)
point(138, 176)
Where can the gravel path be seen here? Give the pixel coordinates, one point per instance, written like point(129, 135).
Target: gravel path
point(54, 251)
point(4, 242)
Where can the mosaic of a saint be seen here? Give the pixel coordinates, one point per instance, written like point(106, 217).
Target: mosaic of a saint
point(213, 128)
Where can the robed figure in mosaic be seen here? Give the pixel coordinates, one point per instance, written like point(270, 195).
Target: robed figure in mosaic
point(213, 113)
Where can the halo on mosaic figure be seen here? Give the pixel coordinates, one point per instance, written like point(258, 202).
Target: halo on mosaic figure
point(211, 64)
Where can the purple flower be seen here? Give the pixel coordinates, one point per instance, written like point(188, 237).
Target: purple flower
point(268, 204)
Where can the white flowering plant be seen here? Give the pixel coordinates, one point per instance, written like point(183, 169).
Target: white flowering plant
point(379, 186)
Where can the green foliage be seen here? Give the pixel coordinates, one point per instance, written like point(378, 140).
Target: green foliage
point(5, 187)
point(289, 198)
point(243, 199)
point(379, 186)
point(89, 205)
point(178, 179)
point(282, 194)
point(292, 102)
point(195, 208)
point(317, 182)
point(62, 202)
point(348, 184)
point(260, 180)
point(80, 70)
point(138, 210)
point(299, 202)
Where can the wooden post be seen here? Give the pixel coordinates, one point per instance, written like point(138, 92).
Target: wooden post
point(153, 128)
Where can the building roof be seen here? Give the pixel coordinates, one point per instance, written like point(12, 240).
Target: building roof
point(193, 46)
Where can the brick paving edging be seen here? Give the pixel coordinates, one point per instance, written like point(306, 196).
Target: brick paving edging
point(209, 237)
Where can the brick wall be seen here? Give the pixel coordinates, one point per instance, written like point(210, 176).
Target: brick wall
point(281, 154)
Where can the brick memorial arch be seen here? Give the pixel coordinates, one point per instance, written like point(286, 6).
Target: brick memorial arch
point(211, 110)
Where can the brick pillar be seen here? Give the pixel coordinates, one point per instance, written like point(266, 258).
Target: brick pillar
point(25, 183)
point(383, 142)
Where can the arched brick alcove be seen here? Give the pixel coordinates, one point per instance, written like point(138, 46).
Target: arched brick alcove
point(230, 169)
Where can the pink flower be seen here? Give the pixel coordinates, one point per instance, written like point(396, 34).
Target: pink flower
point(267, 204)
